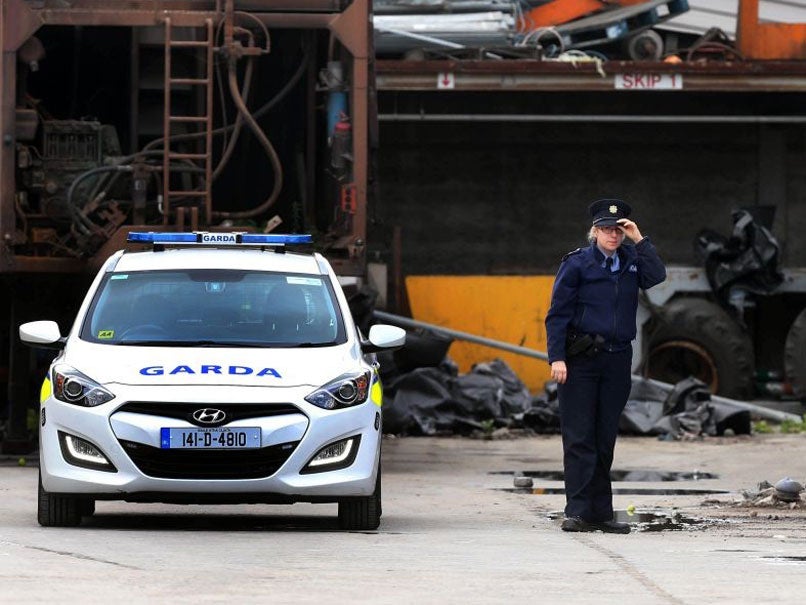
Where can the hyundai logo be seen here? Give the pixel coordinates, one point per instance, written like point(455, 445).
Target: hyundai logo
point(209, 416)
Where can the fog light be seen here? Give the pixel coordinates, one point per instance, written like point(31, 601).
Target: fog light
point(82, 453)
point(334, 456)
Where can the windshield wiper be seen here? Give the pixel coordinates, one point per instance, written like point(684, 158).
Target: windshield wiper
point(188, 343)
point(223, 343)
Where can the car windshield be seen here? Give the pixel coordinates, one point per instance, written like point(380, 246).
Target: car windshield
point(214, 308)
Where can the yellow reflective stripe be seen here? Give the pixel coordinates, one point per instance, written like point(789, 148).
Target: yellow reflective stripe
point(45, 391)
point(376, 393)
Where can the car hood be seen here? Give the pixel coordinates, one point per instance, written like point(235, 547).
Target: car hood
point(176, 366)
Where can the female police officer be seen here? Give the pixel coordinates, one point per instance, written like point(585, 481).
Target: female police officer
point(590, 326)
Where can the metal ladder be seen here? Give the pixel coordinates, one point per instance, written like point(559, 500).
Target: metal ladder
point(204, 147)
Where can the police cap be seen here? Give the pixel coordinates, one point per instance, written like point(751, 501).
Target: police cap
point(608, 211)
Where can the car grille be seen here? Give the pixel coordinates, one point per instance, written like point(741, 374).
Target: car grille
point(208, 464)
point(184, 411)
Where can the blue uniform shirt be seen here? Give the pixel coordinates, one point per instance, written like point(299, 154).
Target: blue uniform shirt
point(589, 299)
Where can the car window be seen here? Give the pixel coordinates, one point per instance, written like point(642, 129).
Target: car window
point(214, 307)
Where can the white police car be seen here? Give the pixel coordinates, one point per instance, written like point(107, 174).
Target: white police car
point(215, 368)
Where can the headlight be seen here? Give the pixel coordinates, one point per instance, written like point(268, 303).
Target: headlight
point(71, 386)
point(347, 390)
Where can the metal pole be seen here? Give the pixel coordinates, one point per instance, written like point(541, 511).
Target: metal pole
point(413, 323)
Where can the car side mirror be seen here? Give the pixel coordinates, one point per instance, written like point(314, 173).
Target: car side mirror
point(384, 337)
point(43, 334)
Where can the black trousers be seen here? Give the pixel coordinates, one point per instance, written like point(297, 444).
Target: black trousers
point(591, 402)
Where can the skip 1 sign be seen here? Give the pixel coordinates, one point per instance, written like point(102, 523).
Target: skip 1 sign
point(649, 82)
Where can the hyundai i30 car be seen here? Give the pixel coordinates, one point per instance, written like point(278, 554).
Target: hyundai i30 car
point(212, 368)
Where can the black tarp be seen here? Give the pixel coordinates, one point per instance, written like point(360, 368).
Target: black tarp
point(685, 410)
point(747, 259)
point(439, 400)
point(432, 400)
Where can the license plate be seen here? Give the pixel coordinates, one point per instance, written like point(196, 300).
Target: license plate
point(222, 438)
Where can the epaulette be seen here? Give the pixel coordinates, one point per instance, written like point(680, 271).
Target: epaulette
point(577, 251)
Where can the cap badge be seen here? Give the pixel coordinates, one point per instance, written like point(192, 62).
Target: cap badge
point(613, 209)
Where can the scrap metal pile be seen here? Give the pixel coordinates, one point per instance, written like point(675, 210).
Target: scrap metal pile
point(546, 28)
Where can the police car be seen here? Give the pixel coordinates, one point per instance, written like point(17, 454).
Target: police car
point(212, 368)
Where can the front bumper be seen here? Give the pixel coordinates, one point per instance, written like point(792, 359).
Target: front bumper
point(129, 436)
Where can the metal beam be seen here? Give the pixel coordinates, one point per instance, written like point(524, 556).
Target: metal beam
point(481, 340)
point(183, 13)
point(572, 82)
point(8, 76)
point(590, 118)
point(19, 22)
point(563, 76)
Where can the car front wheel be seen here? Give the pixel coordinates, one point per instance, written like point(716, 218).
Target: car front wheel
point(362, 513)
point(61, 511)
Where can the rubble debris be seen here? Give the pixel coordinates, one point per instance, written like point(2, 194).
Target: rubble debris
point(769, 496)
point(521, 481)
point(650, 520)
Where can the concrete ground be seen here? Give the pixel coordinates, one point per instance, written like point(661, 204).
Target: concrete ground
point(451, 533)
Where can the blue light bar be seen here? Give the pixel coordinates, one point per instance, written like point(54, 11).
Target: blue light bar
point(161, 238)
point(275, 239)
point(218, 239)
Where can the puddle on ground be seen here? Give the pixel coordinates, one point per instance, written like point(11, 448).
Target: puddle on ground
point(657, 521)
point(635, 491)
point(620, 475)
point(786, 560)
point(645, 521)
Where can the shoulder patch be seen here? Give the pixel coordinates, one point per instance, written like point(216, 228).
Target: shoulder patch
point(572, 253)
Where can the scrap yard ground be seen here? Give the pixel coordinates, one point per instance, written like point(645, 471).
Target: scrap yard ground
point(452, 532)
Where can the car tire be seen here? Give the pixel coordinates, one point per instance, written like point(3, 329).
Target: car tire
point(60, 511)
point(362, 513)
point(696, 337)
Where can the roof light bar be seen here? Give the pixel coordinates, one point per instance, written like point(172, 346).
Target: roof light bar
point(207, 238)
